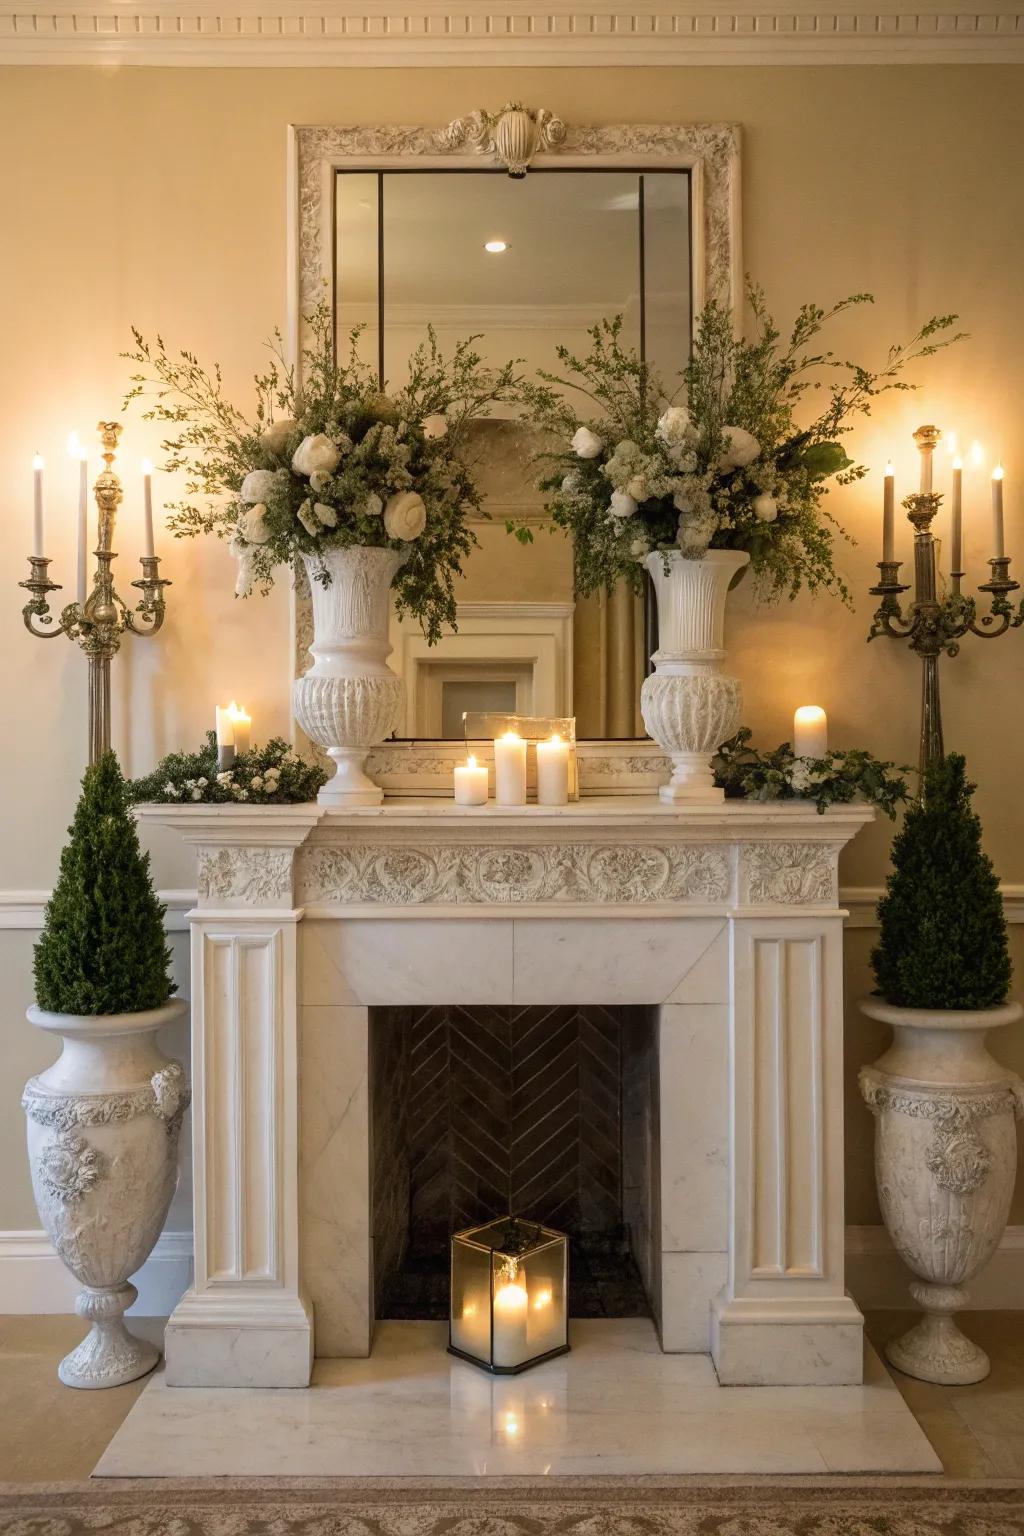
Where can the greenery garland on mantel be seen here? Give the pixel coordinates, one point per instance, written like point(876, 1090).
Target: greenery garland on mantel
point(277, 775)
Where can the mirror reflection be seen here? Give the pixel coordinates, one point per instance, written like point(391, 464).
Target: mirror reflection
point(527, 265)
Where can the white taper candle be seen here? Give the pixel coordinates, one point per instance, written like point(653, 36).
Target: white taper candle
point(147, 508)
point(889, 515)
point(956, 520)
point(37, 507)
point(998, 550)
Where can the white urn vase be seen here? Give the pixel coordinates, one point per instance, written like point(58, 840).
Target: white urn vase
point(945, 1162)
point(349, 699)
point(103, 1126)
point(688, 704)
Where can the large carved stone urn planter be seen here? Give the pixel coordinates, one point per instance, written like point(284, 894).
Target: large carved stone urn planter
point(348, 701)
point(103, 1126)
point(945, 1162)
point(688, 705)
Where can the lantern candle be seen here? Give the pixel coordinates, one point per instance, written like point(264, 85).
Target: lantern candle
point(889, 515)
point(470, 782)
point(553, 771)
point(956, 520)
point(810, 731)
point(510, 769)
point(37, 507)
point(511, 1308)
point(998, 551)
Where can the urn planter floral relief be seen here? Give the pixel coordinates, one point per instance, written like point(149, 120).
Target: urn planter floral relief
point(103, 1126)
point(945, 1163)
point(689, 706)
point(349, 699)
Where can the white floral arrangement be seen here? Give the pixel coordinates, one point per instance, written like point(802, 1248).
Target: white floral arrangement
point(332, 462)
point(274, 774)
point(726, 466)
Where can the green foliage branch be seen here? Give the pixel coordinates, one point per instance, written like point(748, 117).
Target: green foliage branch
point(270, 775)
point(943, 941)
point(744, 772)
point(103, 949)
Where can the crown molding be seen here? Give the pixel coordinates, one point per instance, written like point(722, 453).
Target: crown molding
point(332, 33)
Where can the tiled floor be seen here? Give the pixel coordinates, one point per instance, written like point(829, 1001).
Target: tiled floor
point(50, 1433)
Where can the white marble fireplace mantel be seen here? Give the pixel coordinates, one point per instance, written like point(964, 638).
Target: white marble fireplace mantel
point(725, 919)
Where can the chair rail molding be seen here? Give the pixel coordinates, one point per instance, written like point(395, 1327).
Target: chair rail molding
point(429, 33)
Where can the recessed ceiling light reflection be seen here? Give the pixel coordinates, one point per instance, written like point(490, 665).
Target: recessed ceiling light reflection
point(495, 247)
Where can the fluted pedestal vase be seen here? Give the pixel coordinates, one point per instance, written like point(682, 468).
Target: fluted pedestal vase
point(103, 1126)
point(945, 1162)
point(688, 705)
point(349, 699)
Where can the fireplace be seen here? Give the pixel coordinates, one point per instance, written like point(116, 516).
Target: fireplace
point(544, 1112)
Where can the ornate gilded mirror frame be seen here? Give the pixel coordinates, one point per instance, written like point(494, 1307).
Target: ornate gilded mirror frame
point(517, 138)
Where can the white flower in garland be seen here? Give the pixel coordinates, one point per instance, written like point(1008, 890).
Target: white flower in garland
point(405, 516)
point(307, 517)
point(325, 515)
point(587, 444)
point(253, 524)
point(277, 436)
point(695, 534)
point(766, 507)
point(319, 480)
point(640, 549)
point(674, 429)
point(740, 448)
point(316, 453)
point(258, 485)
point(622, 505)
point(435, 427)
point(373, 506)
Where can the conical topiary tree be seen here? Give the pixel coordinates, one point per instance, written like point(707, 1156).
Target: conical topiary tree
point(102, 948)
point(943, 942)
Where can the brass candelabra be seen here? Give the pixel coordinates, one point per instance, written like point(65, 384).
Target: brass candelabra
point(98, 624)
point(933, 624)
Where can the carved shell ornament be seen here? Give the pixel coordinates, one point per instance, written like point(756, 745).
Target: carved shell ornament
point(512, 136)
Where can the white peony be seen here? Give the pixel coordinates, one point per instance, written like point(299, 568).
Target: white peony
point(315, 453)
point(325, 515)
point(674, 426)
point(373, 506)
point(405, 516)
point(622, 505)
point(258, 485)
point(587, 444)
point(741, 448)
point(307, 518)
point(253, 524)
point(435, 426)
point(275, 438)
point(766, 507)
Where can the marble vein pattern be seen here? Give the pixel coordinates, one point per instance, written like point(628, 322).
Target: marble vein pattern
point(416, 874)
point(614, 1405)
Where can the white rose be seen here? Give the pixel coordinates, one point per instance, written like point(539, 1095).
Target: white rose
point(373, 506)
point(405, 516)
point(315, 453)
point(673, 426)
point(258, 485)
point(622, 505)
point(435, 426)
point(255, 782)
point(308, 520)
point(253, 524)
point(325, 514)
point(275, 438)
point(765, 507)
point(800, 777)
point(741, 448)
point(587, 444)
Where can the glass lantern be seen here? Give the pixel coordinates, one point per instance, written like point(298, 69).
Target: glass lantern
point(509, 1295)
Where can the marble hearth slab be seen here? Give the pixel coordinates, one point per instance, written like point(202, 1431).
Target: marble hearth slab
point(615, 1405)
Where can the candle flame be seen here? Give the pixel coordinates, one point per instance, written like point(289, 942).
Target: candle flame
point(74, 445)
point(951, 442)
point(511, 736)
point(37, 462)
point(958, 462)
point(555, 740)
point(147, 467)
point(997, 473)
point(889, 471)
point(471, 761)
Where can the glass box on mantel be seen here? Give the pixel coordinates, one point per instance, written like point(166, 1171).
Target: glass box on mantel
point(509, 1295)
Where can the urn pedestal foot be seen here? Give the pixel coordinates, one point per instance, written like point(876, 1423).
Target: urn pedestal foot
point(350, 784)
point(109, 1355)
point(692, 781)
point(935, 1349)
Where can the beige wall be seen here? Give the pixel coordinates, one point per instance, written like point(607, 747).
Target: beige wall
point(157, 197)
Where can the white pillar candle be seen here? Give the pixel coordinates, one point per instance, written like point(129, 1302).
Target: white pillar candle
point(510, 769)
point(889, 515)
point(553, 771)
point(78, 452)
point(511, 1309)
point(37, 507)
point(998, 551)
point(471, 783)
point(225, 728)
point(810, 731)
point(241, 728)
point(956, 519)
point(147, 508)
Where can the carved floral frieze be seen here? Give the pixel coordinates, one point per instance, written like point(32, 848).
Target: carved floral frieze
point(415, 874)
point(252, 876)
point(790, 874)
